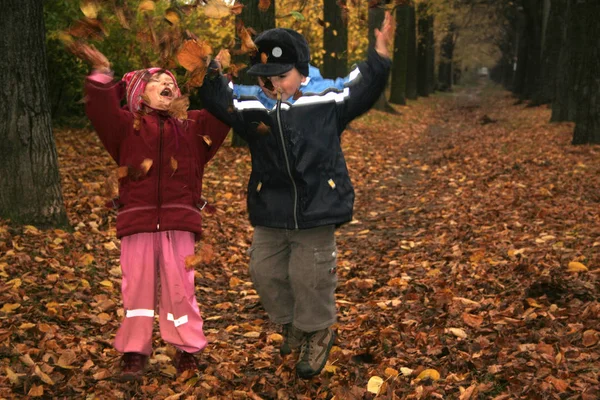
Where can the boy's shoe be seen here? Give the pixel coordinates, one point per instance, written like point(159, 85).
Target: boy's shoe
point(292, 339)
point(132, 366)
point(314, 353)
point(185, 361)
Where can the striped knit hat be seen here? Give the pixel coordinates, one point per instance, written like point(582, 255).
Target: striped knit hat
point(136, 81)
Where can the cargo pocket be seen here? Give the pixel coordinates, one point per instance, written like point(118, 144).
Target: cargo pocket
point(325, 267)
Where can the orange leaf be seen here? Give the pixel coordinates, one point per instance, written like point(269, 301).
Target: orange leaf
point(224, 58)
point(248, 45)
point(197, 77)
point(122, 172)
point(264, 58)
point(194, 54)
point(263, 5)
point(146, 165)
point(202, 256)
point(263, 129)
point(173, 164)
point(178, 107)
point(474, 321)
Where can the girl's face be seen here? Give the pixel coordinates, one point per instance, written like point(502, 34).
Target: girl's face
point(160, 91)
point(287, 84)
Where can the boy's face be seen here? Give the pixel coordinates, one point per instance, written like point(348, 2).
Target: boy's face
point(160, 91)
point(287, 84)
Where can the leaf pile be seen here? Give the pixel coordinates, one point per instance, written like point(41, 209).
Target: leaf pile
point(470, 271)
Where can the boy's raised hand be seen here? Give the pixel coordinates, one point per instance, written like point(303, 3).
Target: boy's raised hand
point(383, 36)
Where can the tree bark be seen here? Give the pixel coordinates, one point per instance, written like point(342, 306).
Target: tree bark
point(430, 55)
point(563, 106)
point(533, 29)
point(422, 51)
point(411, 55)
point(335, 39)
point(552, 36)
point(585, 54)
point(260, 21)
point(446, 60)
point(30, 190)
point(400, 60)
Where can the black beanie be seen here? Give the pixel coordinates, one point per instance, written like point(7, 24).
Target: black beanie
point(283, 50)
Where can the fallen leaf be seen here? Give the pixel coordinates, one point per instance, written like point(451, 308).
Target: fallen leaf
point(431, 374)
point(575, 266)
point(374, 384)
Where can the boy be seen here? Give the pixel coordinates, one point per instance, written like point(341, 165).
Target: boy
point(299, 189)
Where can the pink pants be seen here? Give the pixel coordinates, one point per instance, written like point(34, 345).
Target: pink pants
point(143, 257)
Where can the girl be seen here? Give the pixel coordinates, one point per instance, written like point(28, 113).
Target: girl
point(161, 151)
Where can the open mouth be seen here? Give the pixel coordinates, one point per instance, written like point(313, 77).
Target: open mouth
point(167, 93)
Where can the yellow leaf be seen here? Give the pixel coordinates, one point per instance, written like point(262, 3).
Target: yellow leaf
point(172, 16)
point(9, 307)
point(406, 371)
point(216, 9)
point(86, 259)
point(146, 5)
point(429, 374)
point(90, 8)
point(106, 283)
point(252, 335)
point(26, 325)
point(374, 385)
point(15, 283)
point(146, 165)
point(575, 266)
point(31, 229)
point(110, 246)
point(332, 369)
point(275, 337)
point(12, 377)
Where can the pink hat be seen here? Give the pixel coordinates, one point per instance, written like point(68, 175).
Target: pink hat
point(136, 81)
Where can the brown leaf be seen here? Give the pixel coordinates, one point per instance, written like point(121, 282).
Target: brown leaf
point(263, 129)
point(203, 255)
point(247, 44)
point(559, 384)
point(88, 28)
point(263, 5)
point(297, 95)
point(207, 140)
point(224, 58)
point(590, 337)
point(196, 78)
point(474, 321)
point(179, 106)
point(194, 55)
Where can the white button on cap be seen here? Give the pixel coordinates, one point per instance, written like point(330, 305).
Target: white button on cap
point(277, 52)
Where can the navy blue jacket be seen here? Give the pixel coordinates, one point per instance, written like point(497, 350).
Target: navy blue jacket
point(299, 176)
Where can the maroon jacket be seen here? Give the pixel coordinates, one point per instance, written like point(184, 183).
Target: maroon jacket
point(167, 197)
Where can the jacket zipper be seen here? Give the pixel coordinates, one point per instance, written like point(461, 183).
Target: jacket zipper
point(160, 144)
point(287, 161)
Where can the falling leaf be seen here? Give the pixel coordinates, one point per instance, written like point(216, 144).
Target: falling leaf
point(575, 266)
point(247, 44)
point(297, 95)
point(374, 384)
point(172, 16)
point(173, 164)
point(194, 54)
point(206, 139)
point(264, 58)
point(146, 165)
point(122, 172)
point(146, 5)
point(216, 9)
point(263, 5)
point(224, 58)
point(88, 28)
point(263, 129)
point(203, 256)
point(178, 109)
point(431, 374)
point(90, 8)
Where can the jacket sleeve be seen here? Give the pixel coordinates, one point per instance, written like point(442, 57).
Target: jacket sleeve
point(365, 87)
point(217, 97)
point(103, 108)
point(215, 129)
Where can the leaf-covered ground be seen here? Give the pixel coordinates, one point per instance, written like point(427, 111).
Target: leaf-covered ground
point(470, 271)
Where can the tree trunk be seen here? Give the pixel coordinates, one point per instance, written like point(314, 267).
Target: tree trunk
point(376, 16)
point(446, 60)
point(430, 55)
point(552, 36)
point(563, 106)
point(30, 191)
point(335, 39)
point(411, 55)
point(260, 21)
point(422, 50)
point(520, 74)
point(400, 60)
point(533, 30)
point(585, 52)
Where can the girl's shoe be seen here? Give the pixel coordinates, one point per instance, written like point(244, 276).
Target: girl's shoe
point(185, 362)
point(132, 366)
point(292, 339)
point(314, 353)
